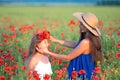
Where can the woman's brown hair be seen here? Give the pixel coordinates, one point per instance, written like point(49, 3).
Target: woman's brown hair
point(96, 50)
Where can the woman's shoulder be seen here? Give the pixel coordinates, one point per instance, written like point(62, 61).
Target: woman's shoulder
point(86, 45)
point(85, 41)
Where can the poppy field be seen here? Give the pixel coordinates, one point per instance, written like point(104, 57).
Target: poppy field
point(19, 23)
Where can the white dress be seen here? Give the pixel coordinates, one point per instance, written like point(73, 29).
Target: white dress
point(43, 69)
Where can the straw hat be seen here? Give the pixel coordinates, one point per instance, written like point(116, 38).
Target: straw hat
point(89, 20)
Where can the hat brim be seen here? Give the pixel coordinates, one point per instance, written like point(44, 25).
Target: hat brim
point(94, 30)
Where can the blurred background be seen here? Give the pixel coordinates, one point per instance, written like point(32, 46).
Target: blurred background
point(60, 2)
point(21, 19)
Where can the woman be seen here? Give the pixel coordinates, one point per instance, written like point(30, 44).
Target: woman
point(38, 63)
point(87, 51)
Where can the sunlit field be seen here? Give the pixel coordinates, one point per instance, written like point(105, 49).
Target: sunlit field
point(19, 23)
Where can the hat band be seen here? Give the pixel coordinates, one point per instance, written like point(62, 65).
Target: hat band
point(89, 25)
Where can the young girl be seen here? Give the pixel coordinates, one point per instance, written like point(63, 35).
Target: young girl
point(37, 62)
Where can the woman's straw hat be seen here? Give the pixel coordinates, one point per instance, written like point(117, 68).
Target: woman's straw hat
point(89, 20)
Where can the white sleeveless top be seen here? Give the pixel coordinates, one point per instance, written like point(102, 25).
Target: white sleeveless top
point(43, 69)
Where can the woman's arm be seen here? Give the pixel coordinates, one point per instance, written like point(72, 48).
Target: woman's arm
point(82, 47)
point(69, 44)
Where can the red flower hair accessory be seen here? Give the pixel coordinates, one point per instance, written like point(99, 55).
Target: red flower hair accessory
point(44, 35)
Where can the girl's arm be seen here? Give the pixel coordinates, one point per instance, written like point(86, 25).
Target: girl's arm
point(32, 63)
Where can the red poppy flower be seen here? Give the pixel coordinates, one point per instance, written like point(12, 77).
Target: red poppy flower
point(59, 73)
point(24, 54)
point(1, 61)
point(5, 41)
point(57, 47)
point(118, 31)
point(63, 49)
point(20, 50)
point(7, 69)
point(44, 35)
point(118, 55)
point(100, 23)
point(35, 73)
point(118, 45)
point(96, 78)
point(97, 70)
point(0, 45)
point(2, 78)
point(74, 74)
point(72, 22)
point(64, 69)
point(46, 77)
point(36, 76)
point(82, 72)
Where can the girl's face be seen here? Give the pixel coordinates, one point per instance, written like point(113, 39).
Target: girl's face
point(82, 27)
point(43, 44)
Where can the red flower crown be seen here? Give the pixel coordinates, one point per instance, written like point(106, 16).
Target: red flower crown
point(44, 35)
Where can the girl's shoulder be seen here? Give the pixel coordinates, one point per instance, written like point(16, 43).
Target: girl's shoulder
point(32, 59)
point(32, 63)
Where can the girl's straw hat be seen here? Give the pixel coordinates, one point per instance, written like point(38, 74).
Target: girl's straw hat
point(89, 20)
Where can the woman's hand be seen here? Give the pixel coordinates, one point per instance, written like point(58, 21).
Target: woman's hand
point(52, 39)
point(43, 51)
